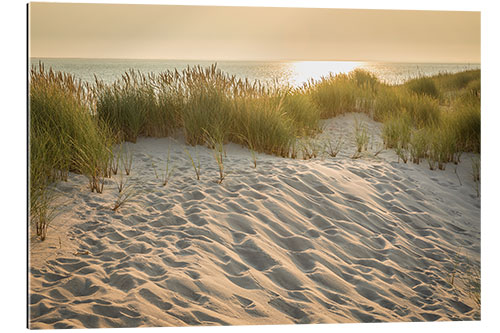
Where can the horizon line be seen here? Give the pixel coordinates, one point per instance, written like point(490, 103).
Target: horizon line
point(260, 60)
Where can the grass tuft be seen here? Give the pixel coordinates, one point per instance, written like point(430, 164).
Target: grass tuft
point(333, 150)
point(64, 136)
point(196, 165)
point(361, 136)
point(125, 194)
point(217, 145)
point(127, 157)
point(423, 86)
point(168, 171)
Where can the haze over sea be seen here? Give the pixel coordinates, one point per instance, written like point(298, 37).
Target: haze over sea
point(293, 72)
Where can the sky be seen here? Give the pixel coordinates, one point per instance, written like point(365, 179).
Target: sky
point(251, 33)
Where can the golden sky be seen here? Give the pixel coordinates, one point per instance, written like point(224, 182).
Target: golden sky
point(252, 33)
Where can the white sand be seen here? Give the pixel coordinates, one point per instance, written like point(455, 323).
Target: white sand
point(318, 241)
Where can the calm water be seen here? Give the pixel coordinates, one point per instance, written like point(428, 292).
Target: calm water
point(292, 72)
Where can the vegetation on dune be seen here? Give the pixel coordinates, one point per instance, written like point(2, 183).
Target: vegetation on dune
point(395, 101)
point(423, 86)
point(207, 110)
point(456, 82)
point(397, 131)
point(436, 118)
point(64, 137)
point(341, 93)
point(74, 125)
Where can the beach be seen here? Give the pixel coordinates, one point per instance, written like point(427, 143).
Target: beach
point(350, 238)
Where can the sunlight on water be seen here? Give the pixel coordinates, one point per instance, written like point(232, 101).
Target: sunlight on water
point(295, 73)
point(303, 71)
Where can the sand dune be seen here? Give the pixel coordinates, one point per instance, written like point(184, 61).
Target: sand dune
point(324, 240)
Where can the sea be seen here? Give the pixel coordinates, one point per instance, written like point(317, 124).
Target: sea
point(294, 73)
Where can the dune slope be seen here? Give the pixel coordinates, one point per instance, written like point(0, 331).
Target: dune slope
point(325, 240)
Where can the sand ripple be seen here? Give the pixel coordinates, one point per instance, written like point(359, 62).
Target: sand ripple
point(318, 241)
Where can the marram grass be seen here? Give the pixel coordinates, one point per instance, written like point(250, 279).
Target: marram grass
point(64, 137)
point(73, 125)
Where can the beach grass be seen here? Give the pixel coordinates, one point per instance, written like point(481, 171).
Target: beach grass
point(216, 143)
point(397, 131)
point(417, 117)
point(64, 136)
point(456, 81)
point(361, 136)
point(126, 192)
point(332, 149)
point(466, 120)
point(122, 106)
point(127, 159)
point(309, 149)
point(208, 110)
point(168, 170)
point(395, 101)
point(269, 118)
point(303, 112)
point(195, 163)
point(476, 169)
point(418, 145)
point(423, 86)
point(74, 125)
point(334, 96)
point(121, 182)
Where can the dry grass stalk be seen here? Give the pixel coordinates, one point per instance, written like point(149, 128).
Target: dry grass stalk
point(127, 159)
point(216, 142)
point(402, 154)
point(120, 183)
point(43, 212)
point(125, 194)
point(309, 149)
point(476, 169)
point(168, 170)
point(361, 136)
point(196, 166)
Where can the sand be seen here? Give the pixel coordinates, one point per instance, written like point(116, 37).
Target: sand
point(325, 240)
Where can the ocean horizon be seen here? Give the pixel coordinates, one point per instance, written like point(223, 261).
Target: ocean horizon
point(294, 73)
